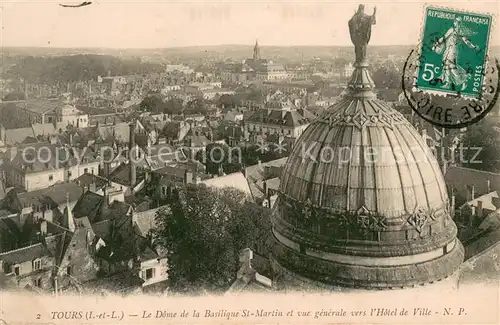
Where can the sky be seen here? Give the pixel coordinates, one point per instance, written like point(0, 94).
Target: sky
point(161, 24)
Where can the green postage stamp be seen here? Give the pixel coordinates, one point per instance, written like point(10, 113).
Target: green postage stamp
point(454, 52)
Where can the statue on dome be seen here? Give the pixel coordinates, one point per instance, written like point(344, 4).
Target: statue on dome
point(360, 28)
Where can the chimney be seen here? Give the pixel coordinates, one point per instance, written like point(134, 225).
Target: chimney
point(479, 208)
point(472, 215)
point(246, 272)
point(68, 220)
point(13, 153)
point(488, 186)
point(2, 133)
point(471, 192)
point(132, 147)
point(106, 169)
point(264, 187)
point(188, 177)
point(43, 227)
point(452, 205)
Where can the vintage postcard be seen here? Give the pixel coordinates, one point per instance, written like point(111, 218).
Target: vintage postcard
point(249, 162)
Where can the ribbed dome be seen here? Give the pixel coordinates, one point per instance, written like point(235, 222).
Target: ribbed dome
point(362, 200)
point(362, 153)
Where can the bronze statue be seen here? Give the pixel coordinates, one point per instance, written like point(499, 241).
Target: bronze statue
point(360, 28)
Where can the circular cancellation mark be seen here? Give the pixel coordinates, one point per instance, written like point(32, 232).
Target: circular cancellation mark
point(452, 109)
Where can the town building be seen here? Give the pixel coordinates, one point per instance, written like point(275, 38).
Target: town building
point(255, 68)
point(287, 121)
point(40, 165)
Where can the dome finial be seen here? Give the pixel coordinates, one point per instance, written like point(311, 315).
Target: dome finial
point(360, 30)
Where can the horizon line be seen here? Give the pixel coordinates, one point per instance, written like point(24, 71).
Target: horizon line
point(188, 46)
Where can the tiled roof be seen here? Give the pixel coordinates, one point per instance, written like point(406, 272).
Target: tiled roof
point(145, 221)
point(44, 129)
point(40, 106)
point(482, 267)
point(102, 229)
point(265, 170)
point(486, 201)
point(486, 239)
point(88, 179)
point(461, 177)
point(16, 136)
point(55, 194)
point(87, 205)
point(121, 282)
point(25, 254)
point(31, 159)
point(287, 118)
point(120, 132)
point(121, 175)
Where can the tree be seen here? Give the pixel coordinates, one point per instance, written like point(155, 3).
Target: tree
point(481, 146)
point(173, 106)
point(197, 105)
point(153, 104)
point(228, 101)
point(202, 230)
point(386, 77)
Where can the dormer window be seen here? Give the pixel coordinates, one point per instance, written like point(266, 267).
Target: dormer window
point(37, 264)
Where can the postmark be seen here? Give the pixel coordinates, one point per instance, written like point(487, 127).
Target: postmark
point(453, 51)
point(452, 94)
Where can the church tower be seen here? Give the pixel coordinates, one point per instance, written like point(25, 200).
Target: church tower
point(366, 206)
point(256, 51)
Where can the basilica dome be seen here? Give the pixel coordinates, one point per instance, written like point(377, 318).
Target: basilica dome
point(362, 200)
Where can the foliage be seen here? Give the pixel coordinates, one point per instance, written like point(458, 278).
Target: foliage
point(483, 136)
point(203, 230)
point(173, 106)
point(197, 106)
point(386, 77)
point(73, 68)
point(228, 101)
point(234, 159)
point(153, 104)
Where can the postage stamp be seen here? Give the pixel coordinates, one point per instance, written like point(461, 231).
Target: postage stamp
point(449, 79)
point(454, 52)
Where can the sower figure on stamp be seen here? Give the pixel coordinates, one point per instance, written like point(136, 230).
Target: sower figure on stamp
point(448, 45)
point(360, 29)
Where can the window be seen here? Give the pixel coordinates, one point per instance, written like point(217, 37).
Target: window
point(150, 273)
point(69, 173)
point(37, 265)
point(17, 270)
point(51, 177)
point(68, 270)
point(37, 283)
point(85, 170)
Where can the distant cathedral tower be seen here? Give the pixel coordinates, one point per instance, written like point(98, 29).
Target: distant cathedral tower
point(256, 51)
